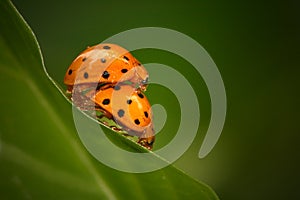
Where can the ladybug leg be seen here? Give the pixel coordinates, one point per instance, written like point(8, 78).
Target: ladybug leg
point(114, 128)
point(103, 113)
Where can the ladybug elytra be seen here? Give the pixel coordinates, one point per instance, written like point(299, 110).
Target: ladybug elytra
point(105, 63)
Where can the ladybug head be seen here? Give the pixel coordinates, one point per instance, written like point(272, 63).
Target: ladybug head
point(142, 75)
point(147, 138)
point(147, 142)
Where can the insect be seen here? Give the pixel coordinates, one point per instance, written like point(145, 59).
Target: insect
point(130, 108)
point(108, 78)
point(106, 63)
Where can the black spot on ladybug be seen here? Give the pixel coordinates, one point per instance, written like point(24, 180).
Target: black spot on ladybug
point(146, 114)
point(121, 113)
point(117, 87)
point(105, 101)
point(105, 74)
point(83, 59)
point(70, 72)
point(106, 47)
point(129, 101)
point(126, 58)
point(141, 95)
point(124, 70)
point(137, 121)
point(86, 75)
point(103, 60)
point(139, 64)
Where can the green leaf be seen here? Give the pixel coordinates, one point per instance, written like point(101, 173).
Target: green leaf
point(41, 156)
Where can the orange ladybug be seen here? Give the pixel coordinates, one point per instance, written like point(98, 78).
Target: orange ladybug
point(105, 63)
point(130, 108)
point(110, 77)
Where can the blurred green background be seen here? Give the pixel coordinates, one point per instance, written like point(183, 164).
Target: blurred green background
point(255, 45)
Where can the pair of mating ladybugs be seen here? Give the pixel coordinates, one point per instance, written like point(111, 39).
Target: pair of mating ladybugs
point(114, 81)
